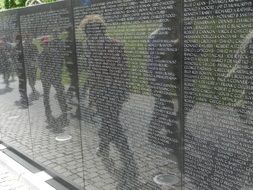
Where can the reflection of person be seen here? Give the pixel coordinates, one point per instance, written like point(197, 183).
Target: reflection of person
point(21, 74)
point(164, 74)
point(50, 62)
point(108, 85)
point(73, 90)
point(30, 52)
point(5, 61)
point(71, 67)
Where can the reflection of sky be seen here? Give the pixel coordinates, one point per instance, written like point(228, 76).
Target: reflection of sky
point(86, 2)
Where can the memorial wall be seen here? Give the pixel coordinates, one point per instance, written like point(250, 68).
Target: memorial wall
point(12, 67)
point(131, 95)
point(217, 90)
point(123, 57)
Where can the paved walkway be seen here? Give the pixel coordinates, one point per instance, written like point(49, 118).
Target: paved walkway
point(10, 181)
point(14, 176)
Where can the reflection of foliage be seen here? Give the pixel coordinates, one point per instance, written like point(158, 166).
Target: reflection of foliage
point(6, 4)
point(21, 3)
point(39, 41)
point(10, 4)
point(1, 4)
point(134, 36)
point(63, 36)
point(217, 83)
point(49, 1)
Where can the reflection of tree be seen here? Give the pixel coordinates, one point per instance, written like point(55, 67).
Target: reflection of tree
point(10, 4)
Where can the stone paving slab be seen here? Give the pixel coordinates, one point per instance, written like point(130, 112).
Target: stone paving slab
point(14, 176)
point(9, 181)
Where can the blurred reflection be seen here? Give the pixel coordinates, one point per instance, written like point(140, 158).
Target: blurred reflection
point(164, 80)
point(72, 91)
point(86, 2)
point(30, 50)
point(242, 71)
point(192, 53)
point(23, 102)
point(73, 88)
point(218, 154)
point(50, 61)
point(5, 62)
point(108, 90)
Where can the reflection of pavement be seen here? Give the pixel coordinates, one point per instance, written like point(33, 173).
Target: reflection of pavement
point(66, 157)
point(218, 144)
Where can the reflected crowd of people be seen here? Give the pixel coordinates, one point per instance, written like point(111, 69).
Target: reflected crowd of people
point(7, 64)
point(108, 77)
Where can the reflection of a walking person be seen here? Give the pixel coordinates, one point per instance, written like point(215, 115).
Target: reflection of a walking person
point(23, 102)
point(73, 90)
point(30, 54)
point(164, 80)
point(5, 62)
point(108, 84)
point(50, 61)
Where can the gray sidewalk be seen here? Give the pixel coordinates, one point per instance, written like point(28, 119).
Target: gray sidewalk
point(14, 176)
point(10, 181)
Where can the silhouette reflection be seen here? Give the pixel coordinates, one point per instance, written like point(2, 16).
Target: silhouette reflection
point(164, 80)
point(108, 87)
point(23, 101)
point(30, 54)
point(5, 63)
point(50, 61)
